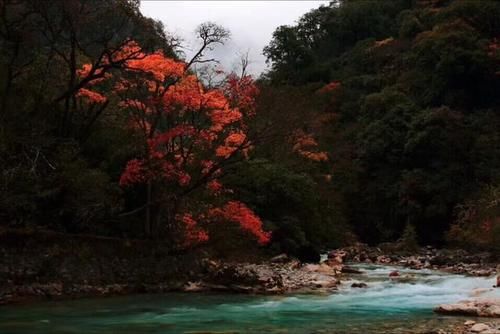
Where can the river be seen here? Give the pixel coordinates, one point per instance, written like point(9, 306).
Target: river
point(386, 306)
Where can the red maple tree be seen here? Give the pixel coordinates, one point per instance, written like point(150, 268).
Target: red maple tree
point(188, 134)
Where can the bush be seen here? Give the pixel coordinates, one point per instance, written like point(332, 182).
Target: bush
point(409, 238)
point(477, 224)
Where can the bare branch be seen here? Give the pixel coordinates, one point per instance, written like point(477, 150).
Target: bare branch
point(210, 34)
point(244, 62)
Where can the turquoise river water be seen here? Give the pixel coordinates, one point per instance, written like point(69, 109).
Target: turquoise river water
point(384, 307)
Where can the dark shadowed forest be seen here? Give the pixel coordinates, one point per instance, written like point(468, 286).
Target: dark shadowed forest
point(351, 187)
point(377, 120)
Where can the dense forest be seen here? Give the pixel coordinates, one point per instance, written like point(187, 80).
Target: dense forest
point(377, 121)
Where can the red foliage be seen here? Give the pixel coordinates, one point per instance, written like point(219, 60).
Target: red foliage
point(494, 51)
point(193, 233)
point(129, 51)
point(242, 92)
point(215, 187)
point(181, 120)
point(92, 74)
point(133, 173)
point(234, 142)
point(189, 132)
point(305, 145)
point(238, 212)
point(91, 96)
point(331, 87)
point(159, 66)
point(494, 47)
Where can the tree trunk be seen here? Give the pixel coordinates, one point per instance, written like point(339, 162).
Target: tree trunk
point(147, 223)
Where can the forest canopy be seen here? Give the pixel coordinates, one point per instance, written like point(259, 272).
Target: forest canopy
point(375, 118)
point(415, 125)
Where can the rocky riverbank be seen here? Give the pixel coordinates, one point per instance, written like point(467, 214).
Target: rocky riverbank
point(48, 265)
point(285, 275)
point(471, 327)
point(478, 307)
point(53, 266)
point(452, 261)
point(274, 277)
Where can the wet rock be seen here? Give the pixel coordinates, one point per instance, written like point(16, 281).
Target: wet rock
point(350, 270)
point(498, 276)
point(216, 287)
point(457, 309)
point(478, 328)
point(404, 278)
point(452, 261)
point(233, 274)
point(439, 260)
point(318, 268)
point(482, 273)
point(194, 287)
point(359, 285)
point(394, 273)
point(271, 278)
point(336, 257)
point(492, 311)
point(242, 288)
point(480, 291)
point(476, 307)
point(324, 283)
point(383, 259)
point(282, 258)
point(491, 331)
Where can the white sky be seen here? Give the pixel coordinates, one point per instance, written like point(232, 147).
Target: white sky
point(251, 24)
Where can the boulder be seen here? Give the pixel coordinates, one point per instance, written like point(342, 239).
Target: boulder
point(324, 283)
point(498, 276)
point(481, 273)
point(337, 256)
point(268, 278)
point(383, 259)
point(394, 273)
point(439, 260)
point(492, 311)
point(478, 328)
point(233, 274)
point(491, 331)
point(319, 268)
point(457, 309)
point(350, 270)
point(282, 258)
point(359, 285)
point(476, 307)
point(194, 287)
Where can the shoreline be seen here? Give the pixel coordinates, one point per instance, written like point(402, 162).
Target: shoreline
point(278, 275)
point(285, 276)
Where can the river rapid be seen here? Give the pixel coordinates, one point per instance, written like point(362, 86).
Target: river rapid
point(403, 305)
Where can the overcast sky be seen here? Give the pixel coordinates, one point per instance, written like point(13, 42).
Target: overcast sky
point(251, 23)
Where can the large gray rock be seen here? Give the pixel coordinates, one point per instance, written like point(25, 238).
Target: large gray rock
point(478, 328)
point(270, 278)
point(477, 307)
